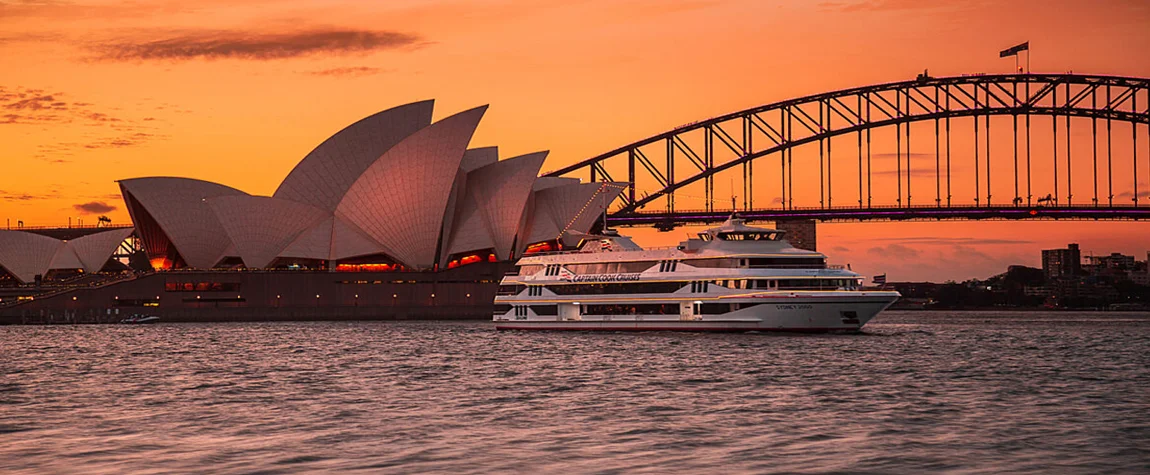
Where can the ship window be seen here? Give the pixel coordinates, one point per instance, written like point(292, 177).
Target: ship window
point(511, 289)
point(502, 309)
point(610, 267)
point(715, 263)
point(545, 310)
point(633, 309)
point(789, 262)
point(714, 308)
point(749, 236)
point(613, 288)
point(815, 284)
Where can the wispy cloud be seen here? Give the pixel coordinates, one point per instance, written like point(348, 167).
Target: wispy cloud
point(1128, 195)
point(57, 151)
point(946, 240)
point(915, 172)
point(127, 140)
point(21, 196)
point(350, 71)
point(913, 156)
point(970, 253)
point(894, 251)
point(22, 105)
point(94, 207)
point(31, 106)
point(257, 46)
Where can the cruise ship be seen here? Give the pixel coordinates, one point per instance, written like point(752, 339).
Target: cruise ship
point(732, 278)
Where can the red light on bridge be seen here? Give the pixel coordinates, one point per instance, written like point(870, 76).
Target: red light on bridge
point(1034, 212)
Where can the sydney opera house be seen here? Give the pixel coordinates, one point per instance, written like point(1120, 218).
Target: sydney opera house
point(392, 217)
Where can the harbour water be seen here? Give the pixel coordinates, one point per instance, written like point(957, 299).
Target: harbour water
point(975, 392)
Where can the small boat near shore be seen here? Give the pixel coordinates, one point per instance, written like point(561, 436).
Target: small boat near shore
point(733, 278)
point(138, 319)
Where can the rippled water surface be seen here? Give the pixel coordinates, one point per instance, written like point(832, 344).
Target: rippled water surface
point(968, 392)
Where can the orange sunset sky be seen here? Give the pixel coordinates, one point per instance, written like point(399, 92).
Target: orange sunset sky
point(238, 91)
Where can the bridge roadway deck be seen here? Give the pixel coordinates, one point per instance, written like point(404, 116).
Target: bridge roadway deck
point(1002, 212)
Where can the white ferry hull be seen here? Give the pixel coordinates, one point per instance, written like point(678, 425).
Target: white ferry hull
point(733, 278)
point(793, 314)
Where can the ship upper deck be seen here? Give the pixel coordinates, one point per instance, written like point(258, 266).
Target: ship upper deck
point(732, 239)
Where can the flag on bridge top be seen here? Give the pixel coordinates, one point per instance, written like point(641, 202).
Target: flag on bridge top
point(1014, 50)
point(880, 279)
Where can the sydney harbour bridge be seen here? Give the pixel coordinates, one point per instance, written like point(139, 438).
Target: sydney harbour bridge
point(1015, 146)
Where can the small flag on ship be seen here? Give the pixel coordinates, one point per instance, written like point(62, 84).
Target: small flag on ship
point(880, 279)
point(1014, 50)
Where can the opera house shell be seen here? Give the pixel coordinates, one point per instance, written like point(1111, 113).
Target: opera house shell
point(24, 255)
point(394, 190)
point(393, 215)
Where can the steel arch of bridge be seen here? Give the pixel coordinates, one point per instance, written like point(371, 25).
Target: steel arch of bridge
point(781, 126)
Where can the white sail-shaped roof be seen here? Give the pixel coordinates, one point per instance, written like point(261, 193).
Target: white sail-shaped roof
point(473, 158)
point(323, 177)
point(65, 258)
point(497, 196)
point(478, 157)
point(350, 241)
point(24, 255)
point(528, 219)
point(261, 226)
point(332, 239)
point(471, 231)
point(312, 243)
point(568, 208)
point(599, 202)
point(178, 208)
point(400, 200)
point(94, 250)
point(545, 182)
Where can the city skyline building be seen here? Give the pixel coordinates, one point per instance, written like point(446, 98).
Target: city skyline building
point(1059, 263)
